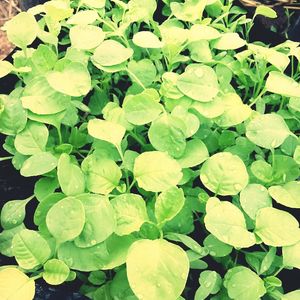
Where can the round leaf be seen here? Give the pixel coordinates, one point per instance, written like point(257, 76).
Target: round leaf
point(100, 220)
point(254, 197)
point(244, 284)
point(199, 83)
point(268, 131)
point(22, 29)
point(147, 39)
point(155, 171)
point(160, 276)
point(74, 80)
point(39, 164)
point(86, 37)
point(195, 153)
point(55, 272)
point(168, 204)
point(131, 213)
point(111, 53)
point(15, 285)
point(65, 219)
point(167, 134)
point(288, 194)
point(224, 174)
point(30, 249)
point(276, 227)
point(227, 223)
point(215, 247)
point(32, 139)
point(229, 41)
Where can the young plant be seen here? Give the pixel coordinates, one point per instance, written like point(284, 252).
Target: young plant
point(162, 140)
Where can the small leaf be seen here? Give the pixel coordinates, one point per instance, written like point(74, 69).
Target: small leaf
point(147, 39)
point(291, 255)
point(55, 272)
point(168, 204)
point(265, 11)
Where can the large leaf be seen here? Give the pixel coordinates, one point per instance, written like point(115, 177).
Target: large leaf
point(55, 272)
point(227, 223)
point(160, 276)
point(268, 131)
point(131, 213)
point(100, 220)
point(155, 171)
point(224, 174)
point(243, 284)
point(276, 227)
point(30, 249)
point(291, 255)
point(65, 219)
point(15, 285)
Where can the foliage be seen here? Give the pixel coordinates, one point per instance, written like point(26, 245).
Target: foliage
point(163, 139)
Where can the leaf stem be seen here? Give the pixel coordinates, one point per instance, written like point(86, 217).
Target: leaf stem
point(278, 271)
point(137, 138)
point(6, 158)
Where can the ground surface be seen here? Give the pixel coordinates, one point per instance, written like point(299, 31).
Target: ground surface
point(8, 8)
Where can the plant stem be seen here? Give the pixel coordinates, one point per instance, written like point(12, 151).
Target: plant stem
point(6, 158)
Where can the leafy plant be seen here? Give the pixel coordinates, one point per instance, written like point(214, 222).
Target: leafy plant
point(161, 137)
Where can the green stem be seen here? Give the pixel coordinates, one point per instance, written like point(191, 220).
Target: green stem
point(6, 158)
point(37, 276)
point(137, 138)
point(59, 135)
point(278, 271)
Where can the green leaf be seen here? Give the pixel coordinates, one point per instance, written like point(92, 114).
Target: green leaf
point(84, 17)
point(83, 259)
point(215, 247)
point(198, 82)
point(254, 197)
point(86, 37)
point(168, 204)
point(265, 11)
point(40, 98)
point(162, 276)
point(268, 260)
point(262, 170)
point(111, 53)
point(142, 108)
point(14, 285)
point(6, 237)
point(195, 154)
point(268, 131)
point(291, 255)
point(73, 80)
point(22, 30)
point(210, 283)
point(199, 32)
point(38, 164)
point(224, 174)
point(281, 84)
point(190, 10)
point(235, 111)
point(227, 223)
point(276, 227)
point(188, 242)
point(5, 68)
point(131, 213)
point(55, 272)
point(117, 248)
point(65, 219)
point(102, 175)
point(167, 134)
point(94, 3)
point(106, 131)
point(30, 249)
point(288, 194)
point(244, 284)
point(13, 213)
point(156, 172)
point(142, 70)
point(147, 39)
point(13, 116)
point(32, 139)
point(70, 176)
point(43, 59)
point(100, 220)
point(294, 295)
point(229, 41)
